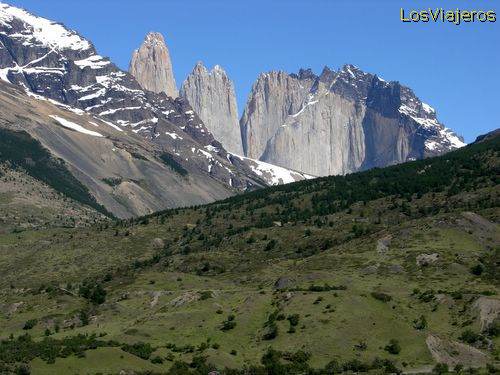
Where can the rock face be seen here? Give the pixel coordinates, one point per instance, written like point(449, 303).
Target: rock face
point(339, 122)
point(273, 97)
point(211, 94)
point(152, 68)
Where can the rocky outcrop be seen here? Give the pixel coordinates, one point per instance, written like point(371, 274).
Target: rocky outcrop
point(339, 122)
point(152, 67)
point(211, 94)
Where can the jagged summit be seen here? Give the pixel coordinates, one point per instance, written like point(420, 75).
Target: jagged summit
point(152, 67)
point(211, 94)
point(339, 122)
point(155, 38)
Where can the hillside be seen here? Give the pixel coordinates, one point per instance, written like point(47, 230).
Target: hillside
point(394, 268)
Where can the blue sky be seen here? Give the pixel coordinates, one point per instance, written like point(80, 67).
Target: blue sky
point(456, 69)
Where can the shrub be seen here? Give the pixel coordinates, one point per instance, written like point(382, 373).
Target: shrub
point(293, 319)
point(270, 245)
point(393, 347)
point(318, 300)
point(458, 368)
point(23, 370)
point(92, 291)
point(157, 360)
point(470, 337)
point(440, 368)
point(271, 331)
point(477, 269)
point(381, 296)
point(333, 367)
point(139, 349)
point(205, 295)
point(229, 323)
point(362, 345)
point(355, 365)
point(420, 323)
point(30, 324)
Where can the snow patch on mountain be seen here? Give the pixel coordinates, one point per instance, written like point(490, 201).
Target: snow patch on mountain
point(273, 174)
point(41, 31)
point(93, 62)
point(75, 127)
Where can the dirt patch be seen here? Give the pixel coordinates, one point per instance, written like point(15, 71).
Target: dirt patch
point(488, 310)
point(453, 353)
point(383, 244)
point(185, 298)
point(424, 260)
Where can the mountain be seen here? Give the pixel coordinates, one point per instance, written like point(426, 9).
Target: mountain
point(211, 95)
point(58, 68)
point(152, 67)
point(382, 271)
point(124, 172)
point(339, 122)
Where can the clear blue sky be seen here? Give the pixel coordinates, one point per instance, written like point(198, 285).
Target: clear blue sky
point(456, 69)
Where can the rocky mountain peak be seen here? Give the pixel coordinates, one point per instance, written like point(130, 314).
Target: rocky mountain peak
point(200, 68)
point(155, 39)
point(340, 122)
point(304, 74)
point(211, 94)
point(152, 67)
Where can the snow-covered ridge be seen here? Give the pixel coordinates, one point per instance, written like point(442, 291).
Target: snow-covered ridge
point(273, 174)
point(41, 31)
point(445, 138)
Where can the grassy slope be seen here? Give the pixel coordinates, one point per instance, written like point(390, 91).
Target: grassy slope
point(327, 235)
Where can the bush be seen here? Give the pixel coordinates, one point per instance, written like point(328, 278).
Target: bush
point(381, 296)
point(355, 365)
point(293, 319)
point(333, 367)
point(440, 368)
point(270, 245)
point(229, 323)
point(393, 347)
point(470, 337)
point(92, 291)
point(271, 331)
point(420, 323)
point(205, 295)
point(477, 269)
point(157, 360)
point(139, 349)
point(23, 370)
point(30, 324)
